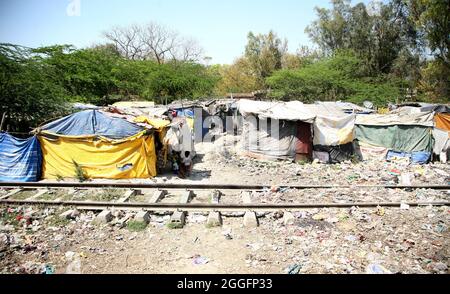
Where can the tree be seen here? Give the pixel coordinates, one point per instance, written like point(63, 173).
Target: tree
point(376, 35)
point(86, 74)
point(339, 77)
point(30, 93)
point(264, 54)
point(153, 42)
point(237, 78)
point(177, 80)
point(432, 22)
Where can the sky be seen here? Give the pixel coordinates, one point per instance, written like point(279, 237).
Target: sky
point(219, 26)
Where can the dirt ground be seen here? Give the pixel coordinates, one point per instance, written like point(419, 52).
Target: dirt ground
point(348, 240)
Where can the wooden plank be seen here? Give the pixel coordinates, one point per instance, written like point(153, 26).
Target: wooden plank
point(128, 194)
point(38, 194)
point(70, 191)
point(157, 196)
point(11, 193)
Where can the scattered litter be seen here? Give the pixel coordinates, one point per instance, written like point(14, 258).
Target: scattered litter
point(69, 255)
point(380, 211)
point(200, 260)
point(294, 269)
point(404, 206)
point(49, 269)
point(374, 268)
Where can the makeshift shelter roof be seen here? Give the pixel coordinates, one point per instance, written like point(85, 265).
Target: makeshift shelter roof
point(293, 110)
point(418, 119)
point(421, 107)
point(84, 106)
point(134, 104)
point(325, 110)
point(347, 107)
point(91, 123)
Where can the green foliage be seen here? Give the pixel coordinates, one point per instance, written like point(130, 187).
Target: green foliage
point(264, 54)
point(80, 174)
point(177, 80)
point(29, 89)
point(37, 83)
point(335, 78)
point(136, 226)
point(236, 78)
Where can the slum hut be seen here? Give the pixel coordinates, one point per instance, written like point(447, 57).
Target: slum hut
point(20, 159)
point(333, 131)
point(93, 144)
point(227, 111)
point(195, 114)
point(396, 135)
point(276, 130)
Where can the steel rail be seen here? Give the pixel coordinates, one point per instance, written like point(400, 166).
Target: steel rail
point(100, 185)
point(98, 205)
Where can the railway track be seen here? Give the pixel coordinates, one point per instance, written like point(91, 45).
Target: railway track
point(155, 197)
point(203, 186)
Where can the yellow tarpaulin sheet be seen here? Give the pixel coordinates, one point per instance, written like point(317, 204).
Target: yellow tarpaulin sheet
point(157, 123)
point(442, 121)
point(134, 157)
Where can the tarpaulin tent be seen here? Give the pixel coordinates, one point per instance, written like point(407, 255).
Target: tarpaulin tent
point(401, 133)
point(20, 159)
point(103, 146)
point(91, 123)
point(398, 137)
point(276, 130)
point(334, 131)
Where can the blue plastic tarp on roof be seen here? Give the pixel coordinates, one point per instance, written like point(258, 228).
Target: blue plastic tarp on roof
point(92, 122)
point(20, 159)
point(186, 112)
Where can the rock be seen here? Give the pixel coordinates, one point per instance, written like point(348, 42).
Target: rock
point(103, 217)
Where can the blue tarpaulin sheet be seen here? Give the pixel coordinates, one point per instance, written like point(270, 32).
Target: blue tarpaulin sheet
point(419, 157)
point(20, 159)
point(186, 112)
point(92, 122)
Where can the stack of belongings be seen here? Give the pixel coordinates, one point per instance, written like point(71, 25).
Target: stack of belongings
point(20, 159)
point(94, 144)
point(396, 136)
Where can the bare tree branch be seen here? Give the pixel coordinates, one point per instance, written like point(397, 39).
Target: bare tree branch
point(153, 42)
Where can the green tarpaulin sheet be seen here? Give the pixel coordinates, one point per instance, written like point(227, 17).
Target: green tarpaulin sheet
point(404, 138)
